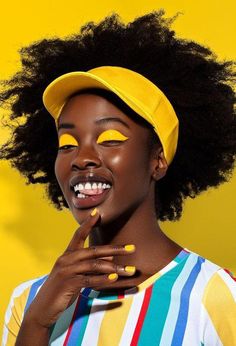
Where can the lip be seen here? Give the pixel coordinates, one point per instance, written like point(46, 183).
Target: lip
point(91, 201)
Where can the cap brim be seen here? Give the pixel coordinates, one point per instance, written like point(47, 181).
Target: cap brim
point(61, 89)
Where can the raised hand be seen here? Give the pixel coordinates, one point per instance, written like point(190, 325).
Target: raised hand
point(76, 268)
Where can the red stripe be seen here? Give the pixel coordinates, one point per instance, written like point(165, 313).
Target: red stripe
point(230, 273)
point(71, 323)
point(142, 315)
point(121, 295)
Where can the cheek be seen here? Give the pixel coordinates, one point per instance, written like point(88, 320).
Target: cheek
point(130, 164)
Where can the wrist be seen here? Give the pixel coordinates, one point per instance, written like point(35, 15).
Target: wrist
point(32, 333)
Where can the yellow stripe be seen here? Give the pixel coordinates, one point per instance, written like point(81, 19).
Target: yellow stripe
point(114, 321)
point(221, 307)
point(17, 311)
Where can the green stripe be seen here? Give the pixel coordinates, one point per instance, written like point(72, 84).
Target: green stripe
point(86, 313)
point(158, 307)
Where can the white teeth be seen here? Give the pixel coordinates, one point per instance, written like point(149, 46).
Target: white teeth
point(91, 186)
point(80, 195)
point(94, 186)
point(76, 187)
point(88, 186)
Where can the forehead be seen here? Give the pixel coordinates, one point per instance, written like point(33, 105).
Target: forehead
point(90, 106)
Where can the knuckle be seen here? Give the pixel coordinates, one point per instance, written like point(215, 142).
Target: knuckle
point(115, 267)
point(117, 247)
point(86, 281)
point(94, 250)
point(96, 264)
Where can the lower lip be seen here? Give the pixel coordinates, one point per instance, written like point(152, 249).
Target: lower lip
point(89, 201)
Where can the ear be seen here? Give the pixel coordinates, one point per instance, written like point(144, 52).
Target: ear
point(159, 165)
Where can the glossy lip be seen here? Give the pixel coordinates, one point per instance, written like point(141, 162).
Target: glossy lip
point(91, 201)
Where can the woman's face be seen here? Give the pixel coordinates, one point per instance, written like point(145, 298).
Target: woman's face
point(101, 146)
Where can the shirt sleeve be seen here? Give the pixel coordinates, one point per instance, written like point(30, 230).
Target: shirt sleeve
point(219, 300)
point(14, 314)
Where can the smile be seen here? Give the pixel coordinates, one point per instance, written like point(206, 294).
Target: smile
point(88, 195)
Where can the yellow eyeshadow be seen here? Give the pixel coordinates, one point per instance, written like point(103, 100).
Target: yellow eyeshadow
point(111, 135)
point(67, 139)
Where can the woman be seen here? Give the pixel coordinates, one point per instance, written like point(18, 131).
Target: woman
point(136, 120)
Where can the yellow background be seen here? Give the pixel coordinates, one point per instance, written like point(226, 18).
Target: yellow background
point(32, 232)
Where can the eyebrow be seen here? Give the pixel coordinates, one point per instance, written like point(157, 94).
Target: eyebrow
point(99, 121)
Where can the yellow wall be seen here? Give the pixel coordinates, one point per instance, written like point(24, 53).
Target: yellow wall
point(33, 233)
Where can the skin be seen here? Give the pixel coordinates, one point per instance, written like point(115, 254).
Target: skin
point(133, 170)
point(126, 216)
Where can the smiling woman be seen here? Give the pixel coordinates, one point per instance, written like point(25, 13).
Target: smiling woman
point(131, 123)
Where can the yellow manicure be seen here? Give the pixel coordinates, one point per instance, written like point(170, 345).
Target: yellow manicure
point(130, 269)
point(129, 247)
point(94, 212)
point(112, 276)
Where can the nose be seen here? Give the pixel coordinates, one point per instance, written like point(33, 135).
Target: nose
point(85, 157)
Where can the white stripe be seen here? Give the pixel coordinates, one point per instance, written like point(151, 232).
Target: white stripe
point(196, 323)
point(210, 336)
point(229, 281)
point(96, 315)
point(173, 311)
point(132, 319)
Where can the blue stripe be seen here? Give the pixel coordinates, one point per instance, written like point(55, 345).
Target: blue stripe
point(81, 314)
point(33, 291)
point(184, 304)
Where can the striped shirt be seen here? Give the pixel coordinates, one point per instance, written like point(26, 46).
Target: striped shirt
point(191, 301)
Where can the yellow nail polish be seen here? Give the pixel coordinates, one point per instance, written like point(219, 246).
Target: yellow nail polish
point(112, 276)
point(129, 247)
point(130, 269)
point(94, 212)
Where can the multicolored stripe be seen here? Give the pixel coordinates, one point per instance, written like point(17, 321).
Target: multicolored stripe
point(190, 301)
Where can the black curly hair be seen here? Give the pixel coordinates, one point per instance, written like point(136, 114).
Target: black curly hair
point(197, 84)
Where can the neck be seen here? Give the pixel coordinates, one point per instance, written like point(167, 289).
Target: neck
point(140, 227)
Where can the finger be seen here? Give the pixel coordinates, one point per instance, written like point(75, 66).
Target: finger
point(108, 258)
point(94, 280)
point(101, 267)
point(119, 284)
point(82, 232)
point(101, 251)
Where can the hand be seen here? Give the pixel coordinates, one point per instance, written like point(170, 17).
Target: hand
point(76, 268)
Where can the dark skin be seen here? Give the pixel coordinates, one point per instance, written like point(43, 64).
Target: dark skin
point(126, 216)
point(133, 176)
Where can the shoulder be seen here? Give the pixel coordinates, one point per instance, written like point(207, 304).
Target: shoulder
point(26, 291)
point(210, 272)
point(216, 290)
point(20, 299)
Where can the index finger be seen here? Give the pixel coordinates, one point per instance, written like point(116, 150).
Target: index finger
point(80, 235)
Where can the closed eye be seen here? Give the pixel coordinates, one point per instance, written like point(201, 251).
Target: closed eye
point(111, 136)
point(111, 142)
point(65, 147)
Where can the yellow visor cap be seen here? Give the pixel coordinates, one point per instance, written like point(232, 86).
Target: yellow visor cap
point(138, 92)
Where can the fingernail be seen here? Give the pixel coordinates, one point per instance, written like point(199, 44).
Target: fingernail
point(130, 269)
point(94, 212)
point(112, 276)
point(129, 247)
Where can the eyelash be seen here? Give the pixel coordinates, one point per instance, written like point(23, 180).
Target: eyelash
point(63, 147)
point(68, 146)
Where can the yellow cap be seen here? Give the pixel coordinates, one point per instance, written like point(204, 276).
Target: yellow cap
point(138, 92)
